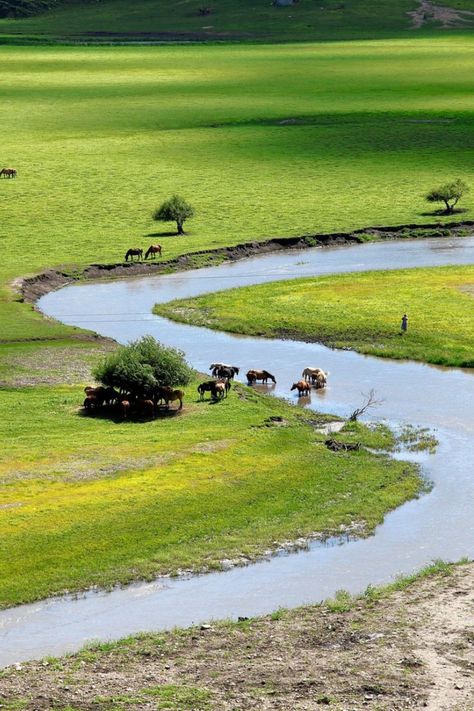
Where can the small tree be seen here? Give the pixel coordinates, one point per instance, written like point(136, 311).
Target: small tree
point(138, 368)
point(450, 194)
point(176, 209)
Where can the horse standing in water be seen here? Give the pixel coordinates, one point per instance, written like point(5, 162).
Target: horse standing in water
point(8, 173)
point(135, 252)
point(153, 250)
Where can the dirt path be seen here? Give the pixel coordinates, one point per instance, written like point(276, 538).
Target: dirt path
point(446, 646)
point(411, 649)
point(447, 17)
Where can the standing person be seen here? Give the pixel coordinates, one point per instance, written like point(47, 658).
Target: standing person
point(404, 325)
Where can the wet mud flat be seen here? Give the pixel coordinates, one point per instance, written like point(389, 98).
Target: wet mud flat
point(410, 648)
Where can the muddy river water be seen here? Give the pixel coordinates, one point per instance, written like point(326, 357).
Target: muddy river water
point(439, 524)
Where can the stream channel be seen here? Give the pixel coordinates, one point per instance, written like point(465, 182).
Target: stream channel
point(440, 524)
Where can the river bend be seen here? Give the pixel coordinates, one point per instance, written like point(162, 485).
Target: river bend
point(440, 524)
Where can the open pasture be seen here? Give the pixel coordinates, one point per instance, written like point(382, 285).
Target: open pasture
point(262, 140)
point(361, 311)
point(88, 501)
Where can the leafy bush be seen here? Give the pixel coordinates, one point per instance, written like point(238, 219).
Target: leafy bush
point(143, 365)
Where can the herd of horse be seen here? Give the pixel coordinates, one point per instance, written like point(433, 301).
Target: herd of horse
point(137, 252)
point(148, 406)
point(8, 173)
point(224, 373)
point(124, 405)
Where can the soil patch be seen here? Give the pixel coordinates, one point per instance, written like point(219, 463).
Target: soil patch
point(447, 17)
point(409, 649)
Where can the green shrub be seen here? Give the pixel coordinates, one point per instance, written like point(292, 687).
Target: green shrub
point(141, 366)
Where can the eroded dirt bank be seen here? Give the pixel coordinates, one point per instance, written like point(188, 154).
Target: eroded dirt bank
point(412, 649)
point(32, 288)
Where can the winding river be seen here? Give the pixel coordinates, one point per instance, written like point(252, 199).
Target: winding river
point(437, 525)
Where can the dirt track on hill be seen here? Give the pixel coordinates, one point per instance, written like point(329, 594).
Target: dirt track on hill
point(411, 650)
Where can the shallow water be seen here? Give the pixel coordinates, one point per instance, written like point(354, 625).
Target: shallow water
point(438, 525)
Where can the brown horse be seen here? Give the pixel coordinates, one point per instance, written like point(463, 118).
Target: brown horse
point(153, 250)
point(8, 173)
point(263, 375)
point(302, 386)
point(167, 394)
point(172, 395)
point(134, 252)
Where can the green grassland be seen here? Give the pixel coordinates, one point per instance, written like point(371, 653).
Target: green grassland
point(86, 500)
point(245, 20)
point(360, 311)
point(101, 136)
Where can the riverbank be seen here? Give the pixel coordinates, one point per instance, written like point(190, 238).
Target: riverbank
point(32, 288)
point(360, 311)
point(395, 649)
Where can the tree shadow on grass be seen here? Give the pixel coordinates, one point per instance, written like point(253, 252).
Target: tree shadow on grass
point(162, 234)
point(111, 414)
point(445, 213)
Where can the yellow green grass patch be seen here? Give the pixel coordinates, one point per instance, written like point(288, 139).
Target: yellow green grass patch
point(86, 500)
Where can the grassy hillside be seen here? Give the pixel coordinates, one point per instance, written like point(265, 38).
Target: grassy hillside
point(360, 311)
point(101, 136)
point(248, 20)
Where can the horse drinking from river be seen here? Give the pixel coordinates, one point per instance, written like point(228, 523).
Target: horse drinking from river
point(263, 375)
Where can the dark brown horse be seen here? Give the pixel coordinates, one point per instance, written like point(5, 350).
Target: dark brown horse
point(217, 388)
point(8, 173)
point(263, 375)
point(153, 250)
point(134, 252)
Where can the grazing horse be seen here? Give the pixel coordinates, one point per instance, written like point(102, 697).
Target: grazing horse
point(134, 252)
point(153, 250)
point(263, 375)
point(219, 391)
point(8, 173)
point(313, 373)
point(217, 388)
point(303, 387)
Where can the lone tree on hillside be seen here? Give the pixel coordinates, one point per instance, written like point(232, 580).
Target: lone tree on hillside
point(176, 209)
point(450, 194)
point(137, 369)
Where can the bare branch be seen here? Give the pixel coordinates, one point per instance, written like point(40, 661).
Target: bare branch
point(370, 401)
